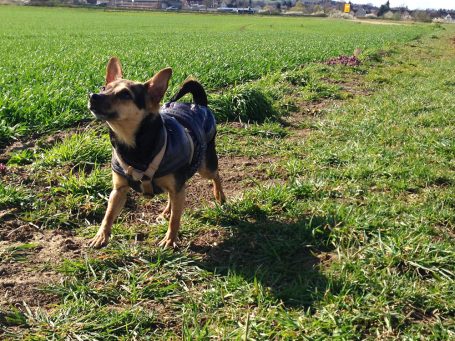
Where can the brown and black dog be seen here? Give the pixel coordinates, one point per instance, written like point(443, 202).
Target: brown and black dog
point(155, 149)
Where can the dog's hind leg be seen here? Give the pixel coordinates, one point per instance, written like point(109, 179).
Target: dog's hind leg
point(217, 187)
point(209, 170)
point(116, 202)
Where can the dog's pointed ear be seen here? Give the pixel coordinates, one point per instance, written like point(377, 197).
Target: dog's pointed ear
point(157, 85)
point(113, 70)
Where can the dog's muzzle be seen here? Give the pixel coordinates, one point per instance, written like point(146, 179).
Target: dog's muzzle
point(97, 104)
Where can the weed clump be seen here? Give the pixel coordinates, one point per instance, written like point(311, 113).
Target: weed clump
point(243, 103)
point(344, 60)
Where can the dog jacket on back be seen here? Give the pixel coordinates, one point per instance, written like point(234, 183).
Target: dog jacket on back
point(189, 127)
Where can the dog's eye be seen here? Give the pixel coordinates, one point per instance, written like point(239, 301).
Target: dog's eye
point(103, 88)
point(125, 94)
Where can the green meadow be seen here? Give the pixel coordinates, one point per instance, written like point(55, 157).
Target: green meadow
point(51, 58)
point(340, 180)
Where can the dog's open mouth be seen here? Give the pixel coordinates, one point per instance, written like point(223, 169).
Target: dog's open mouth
point(100, 114)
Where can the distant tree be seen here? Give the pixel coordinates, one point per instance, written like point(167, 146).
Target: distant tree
point(317, 9)
point(384, 9)
point(422, 16)
point(209, 3)
point(396, 16)
point(298, 7)
point(442, 12)
point(271, 9)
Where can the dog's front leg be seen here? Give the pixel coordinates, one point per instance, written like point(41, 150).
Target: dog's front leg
point(166, 212)
point(177, 200)
point(117, 200)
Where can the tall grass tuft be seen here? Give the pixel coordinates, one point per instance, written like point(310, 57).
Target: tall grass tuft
point(243, 103)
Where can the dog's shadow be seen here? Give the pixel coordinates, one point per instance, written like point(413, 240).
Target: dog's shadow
point(285, 258)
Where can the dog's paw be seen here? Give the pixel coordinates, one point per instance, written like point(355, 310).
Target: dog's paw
point(168, 243)
point(100, 240)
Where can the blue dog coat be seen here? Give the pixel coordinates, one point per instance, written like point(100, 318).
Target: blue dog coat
point(189, 127)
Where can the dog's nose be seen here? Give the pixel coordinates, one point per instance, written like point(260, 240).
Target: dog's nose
point(94, 97)
point(96, 100)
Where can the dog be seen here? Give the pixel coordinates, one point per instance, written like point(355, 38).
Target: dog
point(155, 149)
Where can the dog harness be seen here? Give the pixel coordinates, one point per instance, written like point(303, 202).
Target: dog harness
point(187, 130)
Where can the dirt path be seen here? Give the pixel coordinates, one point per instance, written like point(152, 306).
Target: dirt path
point(383, 22)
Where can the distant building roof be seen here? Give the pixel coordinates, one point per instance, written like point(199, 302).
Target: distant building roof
point(311, 2)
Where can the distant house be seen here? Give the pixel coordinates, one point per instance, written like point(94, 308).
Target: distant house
point(406, 16)
point(155, 4)
point(361, 13)
point(311, 2)
point(448, 18)
point(226, 9)
point(146, 4)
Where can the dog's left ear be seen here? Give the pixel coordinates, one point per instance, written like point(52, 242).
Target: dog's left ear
point(113, 70)
point(157, 85)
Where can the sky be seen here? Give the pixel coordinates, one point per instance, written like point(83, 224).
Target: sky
point(412, 4)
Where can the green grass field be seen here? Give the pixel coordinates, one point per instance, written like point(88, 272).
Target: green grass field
point(51, 58)
point(340, 215)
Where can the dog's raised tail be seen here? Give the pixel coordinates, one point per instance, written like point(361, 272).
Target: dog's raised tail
point(193, 87)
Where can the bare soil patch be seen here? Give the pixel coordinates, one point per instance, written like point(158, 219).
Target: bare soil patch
point(15, 230)
point(237, 174)
point(25, 272)
point(205, 243)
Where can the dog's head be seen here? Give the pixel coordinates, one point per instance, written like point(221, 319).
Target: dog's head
point(124, 100)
